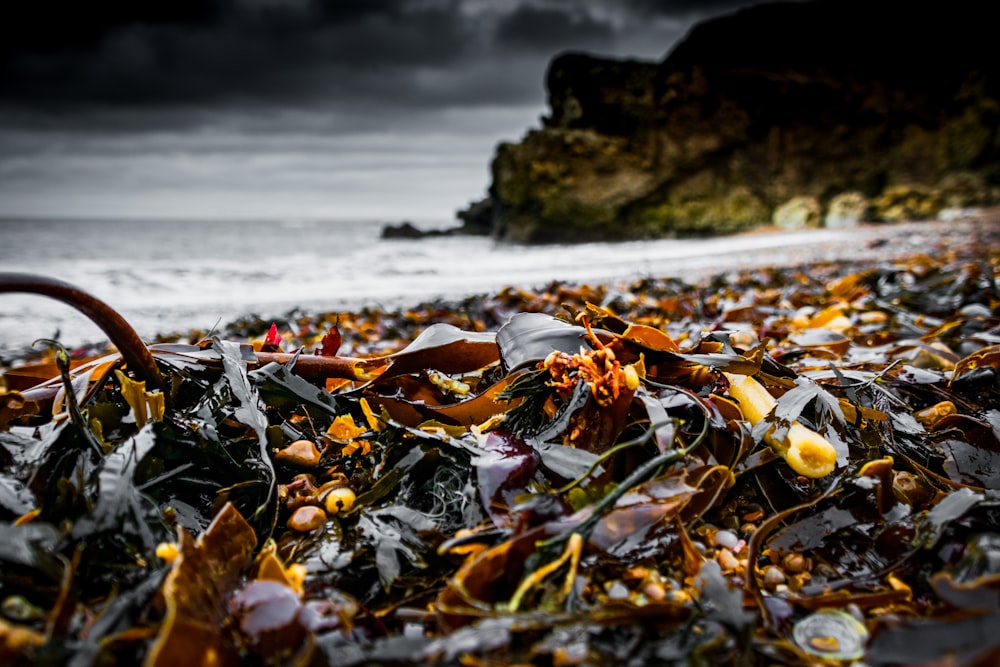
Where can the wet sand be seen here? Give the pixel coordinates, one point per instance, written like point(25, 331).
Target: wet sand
point(873, 242)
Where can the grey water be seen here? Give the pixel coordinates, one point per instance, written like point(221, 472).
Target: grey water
point(177, 275)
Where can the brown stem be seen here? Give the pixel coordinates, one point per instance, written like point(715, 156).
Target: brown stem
point(137, 356)
point(316, 369)
point(313, 367)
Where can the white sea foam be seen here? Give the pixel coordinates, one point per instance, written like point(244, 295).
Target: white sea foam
point(175, 276)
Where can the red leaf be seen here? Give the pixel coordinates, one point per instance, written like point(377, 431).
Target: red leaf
point(331, 342)
point(272, 341)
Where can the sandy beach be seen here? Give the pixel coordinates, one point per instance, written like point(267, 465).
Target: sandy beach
point(870, 242)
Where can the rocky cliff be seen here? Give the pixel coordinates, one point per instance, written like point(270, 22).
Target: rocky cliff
point(834, 109)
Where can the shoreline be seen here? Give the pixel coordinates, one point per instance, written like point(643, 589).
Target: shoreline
point(380, 331)
point(691, 262)
point(877, 241)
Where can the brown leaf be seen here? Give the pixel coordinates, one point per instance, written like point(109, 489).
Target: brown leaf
point(203, 577)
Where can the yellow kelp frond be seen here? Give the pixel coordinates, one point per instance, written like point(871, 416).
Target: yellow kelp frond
point(805, 450)
point(146, 405)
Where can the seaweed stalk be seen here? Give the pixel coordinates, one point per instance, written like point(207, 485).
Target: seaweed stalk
point(119, 331)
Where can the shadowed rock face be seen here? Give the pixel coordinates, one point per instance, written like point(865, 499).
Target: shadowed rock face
point(808, 99)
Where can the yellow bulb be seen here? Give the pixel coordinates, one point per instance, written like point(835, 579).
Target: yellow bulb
point(339, 500)
point(167, 552)
point(631, 377)
point(809, 453)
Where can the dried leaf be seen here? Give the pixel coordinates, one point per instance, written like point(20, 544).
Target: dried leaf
point(196, 592)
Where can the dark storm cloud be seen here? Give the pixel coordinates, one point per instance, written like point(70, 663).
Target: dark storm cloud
point(680, 8)
point(153, 53)
point(540, 28)
point(66, 54)
point(122, 62)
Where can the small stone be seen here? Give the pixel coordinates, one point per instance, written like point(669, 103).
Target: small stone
point(798, 213)
point(654, 591)
point(794, 563)
point(727, 560)
point(773, 577)
point(873, 317)
point(302, 453)
point(307, 518)
point(847, 210)
point(752, 512)
point(727, 539)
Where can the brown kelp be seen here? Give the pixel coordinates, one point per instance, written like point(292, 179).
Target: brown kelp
point(784, 466)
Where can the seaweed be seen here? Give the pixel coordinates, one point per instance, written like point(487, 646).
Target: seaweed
point(576, 475)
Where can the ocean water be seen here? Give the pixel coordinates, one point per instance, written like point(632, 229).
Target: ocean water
point(178, 275)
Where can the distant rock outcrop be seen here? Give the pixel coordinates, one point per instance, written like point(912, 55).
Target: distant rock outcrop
point(405, 230)
point(804, 101)
point(476, 218)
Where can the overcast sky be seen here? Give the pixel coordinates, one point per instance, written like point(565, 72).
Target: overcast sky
point(335, 109)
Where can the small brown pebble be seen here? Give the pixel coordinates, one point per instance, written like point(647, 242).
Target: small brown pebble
point(727, 560)
point(302, 453)
point(753, 514)
point(654, 591)
point(773, 576)
point(794, 563)
point(873, 317)
point(307, 518)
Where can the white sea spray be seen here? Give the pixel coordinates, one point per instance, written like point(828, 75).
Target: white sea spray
point(179, 275)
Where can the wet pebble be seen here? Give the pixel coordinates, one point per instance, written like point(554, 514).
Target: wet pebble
point(727, 539)
point(307, 518)
point(303, 453)
point(773, 576)
point(794, 563)
point(727, 560)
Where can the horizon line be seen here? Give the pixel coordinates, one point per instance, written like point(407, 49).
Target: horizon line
point(36, 217)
